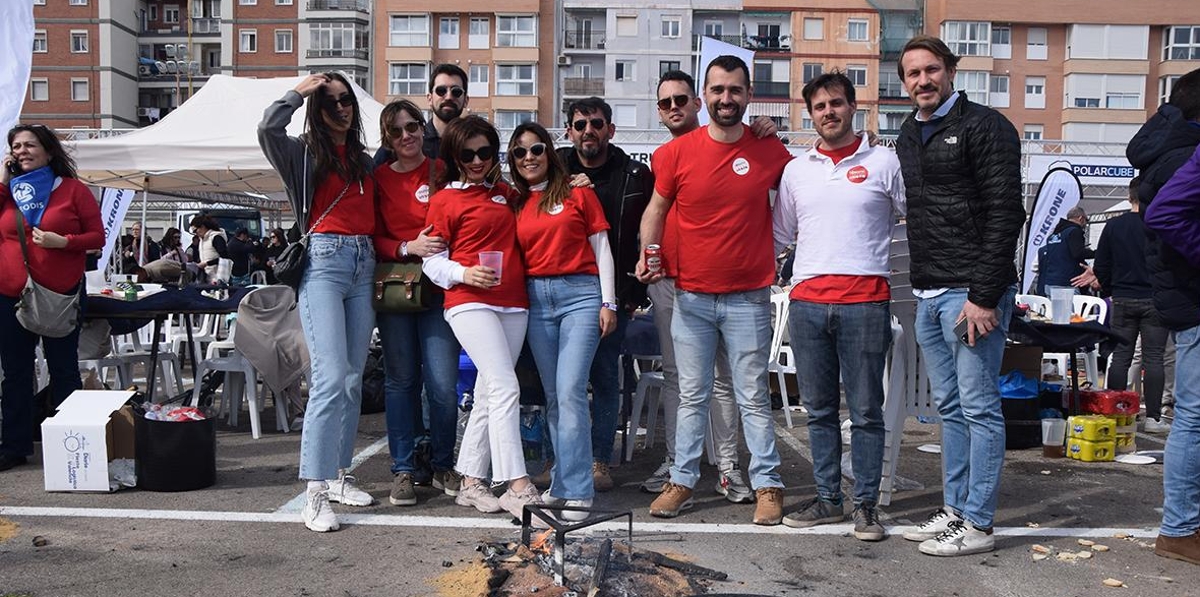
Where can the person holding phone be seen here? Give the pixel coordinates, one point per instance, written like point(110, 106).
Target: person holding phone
point(59, 222)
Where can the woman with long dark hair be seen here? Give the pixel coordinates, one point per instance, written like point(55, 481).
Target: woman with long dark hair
point(416, 346)
point(328, 178)
point(61, 222)
point(486, 306)
point(562, 232)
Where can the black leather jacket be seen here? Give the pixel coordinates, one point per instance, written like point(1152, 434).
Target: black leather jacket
point(965, 206)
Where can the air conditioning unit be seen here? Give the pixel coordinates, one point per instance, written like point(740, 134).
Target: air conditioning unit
point(144, 70)
point(144, 112)
point(564, 60)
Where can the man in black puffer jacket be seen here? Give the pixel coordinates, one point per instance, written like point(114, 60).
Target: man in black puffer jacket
point(962, 170)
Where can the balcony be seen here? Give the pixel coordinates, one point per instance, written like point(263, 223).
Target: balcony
point(765, 43)
point(592, 40)
point(339, 53)
point(729, 39)
point(355, 5)
point(211, 26)
point(772, 89)
point(583, 86)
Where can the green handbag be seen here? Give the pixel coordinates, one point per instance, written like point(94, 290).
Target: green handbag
point(401, 288)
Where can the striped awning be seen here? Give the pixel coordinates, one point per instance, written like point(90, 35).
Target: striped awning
point(771, 109)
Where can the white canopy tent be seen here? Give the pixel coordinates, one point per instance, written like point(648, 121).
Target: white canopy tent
point(208, 144)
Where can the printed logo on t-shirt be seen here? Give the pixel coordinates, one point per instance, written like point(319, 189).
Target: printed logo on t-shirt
point(557, 209)
point(741, 166)
point(423, 193)
point(856, 174)
point(499, 199)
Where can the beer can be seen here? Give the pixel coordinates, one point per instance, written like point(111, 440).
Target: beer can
point(654, 258)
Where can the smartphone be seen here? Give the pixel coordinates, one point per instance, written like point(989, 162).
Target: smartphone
point(15, 169)
point(960, 330)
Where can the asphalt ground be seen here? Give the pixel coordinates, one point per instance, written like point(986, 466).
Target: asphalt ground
point(243, 536)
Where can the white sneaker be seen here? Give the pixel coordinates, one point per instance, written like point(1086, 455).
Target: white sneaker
point(343, 491)
point(478, 496)
point(318, 514)
point(1156, 426)
point(568, 515)
point(731, 485)
point(514, 501)
point(935, 525)
point(960, 539)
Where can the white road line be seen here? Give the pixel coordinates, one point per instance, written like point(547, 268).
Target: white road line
point(296, 504)
point(503, 523)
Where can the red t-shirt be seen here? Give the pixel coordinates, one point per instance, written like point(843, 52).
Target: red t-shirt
point(839, 289)
point(477, 218)
point(723, 209)
point(670, 243)
point(355, 214)
point(72, 211)
point(556, 243)
point(841, 153)
point(401, 208)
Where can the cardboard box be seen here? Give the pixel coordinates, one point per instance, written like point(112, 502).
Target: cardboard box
point(89, 430)
point(1026, 359)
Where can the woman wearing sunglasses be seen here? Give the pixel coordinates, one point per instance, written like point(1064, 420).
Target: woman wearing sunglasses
point(486, 306)
point(328, 179)
point(572, 300)
point(416, 346)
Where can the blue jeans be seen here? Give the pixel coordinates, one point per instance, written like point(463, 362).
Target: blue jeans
point(420, 347)
point(1181, 460)
point(742, 320)
point(564, 330)
point(336, 313)
point(965, 384)
point(605, 376)
point(17, 390)
point(850, 342)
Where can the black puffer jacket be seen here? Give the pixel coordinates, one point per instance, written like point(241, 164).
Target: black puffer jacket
point(965, 207)
point(1158, 149)
point(624, 186)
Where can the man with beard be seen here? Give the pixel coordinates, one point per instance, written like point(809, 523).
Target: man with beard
point(447, 100)
point(718, 178)
point(839, 203)
point(624, 186)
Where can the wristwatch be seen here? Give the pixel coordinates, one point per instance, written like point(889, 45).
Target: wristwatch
point(404, 248)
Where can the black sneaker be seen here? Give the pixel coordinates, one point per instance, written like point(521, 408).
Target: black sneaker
point(814, 512)
point(866, 524)
point(423, 464)
point(9, 460)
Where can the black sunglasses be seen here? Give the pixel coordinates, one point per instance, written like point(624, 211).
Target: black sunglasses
point(484, 154)
point(580, 125)
point(681, 100)
point(409, 127)
point(455, 92)
point(345, 101)
point(536, 149)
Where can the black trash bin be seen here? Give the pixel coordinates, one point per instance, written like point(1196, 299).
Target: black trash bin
point(175, 456)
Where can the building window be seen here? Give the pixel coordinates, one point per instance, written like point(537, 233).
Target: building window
point(1035, 45)
point(974, 83)
point(667, 65)
point(479, 34)
point(1182, 43)
point(152, 16)
point(714, 29)
point(806, 123)
point(408, 30)
point(510, 119)
point(1087, 102)
point(625, 115)
point(999, 91)
point(1165, 85)
point(890, 84)
point(1035, 92)
point(248, 2)
point(514, 79)
point(516, 32)
point(1033, 132)
point(670, 27)
point(856, 30)
point(249, 41)
point(477, 86)
point(39, 90)
point(860, 120)
point(1123, 100)
point(40, 45)
point(283, 41)
point(283, 2)
point(814, 28)
point(624, 70)
point(967, 38)
point(171, 14)
point(79, 42)
point(338, 40)
point(1002, 42)
point(812, 70)
point(79, 90)
point(627, 26)
point(1118, 92)
point(448, 33)
point(78, 2)
point(857, 73)
point(408, 78)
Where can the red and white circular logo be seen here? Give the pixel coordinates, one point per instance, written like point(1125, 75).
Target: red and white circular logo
point(856, 174)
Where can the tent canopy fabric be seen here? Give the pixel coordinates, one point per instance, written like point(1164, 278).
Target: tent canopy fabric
point(208, 144)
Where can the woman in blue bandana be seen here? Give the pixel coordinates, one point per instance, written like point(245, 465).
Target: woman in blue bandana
point(61, 223)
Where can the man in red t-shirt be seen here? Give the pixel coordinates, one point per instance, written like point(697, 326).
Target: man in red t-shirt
point(718, 178)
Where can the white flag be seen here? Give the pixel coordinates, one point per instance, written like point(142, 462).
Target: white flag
point(16, 45)
point(1060, 192)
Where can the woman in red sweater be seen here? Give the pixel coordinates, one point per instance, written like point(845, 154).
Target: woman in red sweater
point(62, 223)
point(486, 306)
point(416, 346)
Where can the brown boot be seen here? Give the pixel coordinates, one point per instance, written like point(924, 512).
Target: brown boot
point(673, 500)
point(601, 477)
point(769, 510)
point(1186, 549)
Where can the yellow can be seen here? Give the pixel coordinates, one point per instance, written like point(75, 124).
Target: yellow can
point(1090, 427)
point(1089, 451)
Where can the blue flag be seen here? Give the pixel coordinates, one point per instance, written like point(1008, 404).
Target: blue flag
point(31, 191)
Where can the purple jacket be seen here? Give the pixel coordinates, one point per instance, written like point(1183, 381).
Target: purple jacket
point(1175, 212)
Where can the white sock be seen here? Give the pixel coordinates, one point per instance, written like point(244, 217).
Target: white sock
point(317, 486)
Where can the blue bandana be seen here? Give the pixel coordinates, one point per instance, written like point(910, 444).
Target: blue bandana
point(31, 191)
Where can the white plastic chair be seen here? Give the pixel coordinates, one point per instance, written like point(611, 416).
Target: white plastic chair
point(647, 396)
point(241, 380)
point(1091, 308)
point(1037, 304)
point(782, 362)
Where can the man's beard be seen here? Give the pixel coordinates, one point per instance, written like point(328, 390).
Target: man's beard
point(448, 111)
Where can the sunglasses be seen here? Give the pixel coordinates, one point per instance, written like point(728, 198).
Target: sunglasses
point(580, 125)
point(536, 149)
point(345, 101)
point(409, 127)
point(455, 92)
point(681, 100)
point(484, 154)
